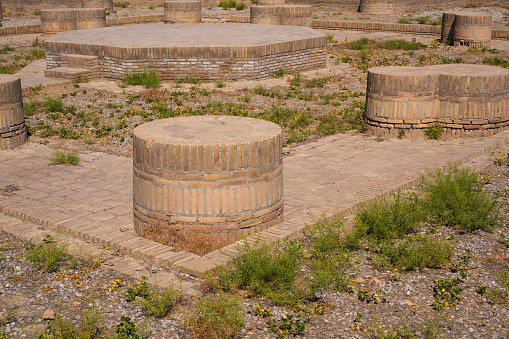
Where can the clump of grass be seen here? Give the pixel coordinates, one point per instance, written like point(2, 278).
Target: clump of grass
point(359, 44)
point(220, 84)
point(5, 49)
point(37, 53)
point(388, 218)
point(48, 255)
point(265, 271)
point(53, 105)
point(227, 4)
point(217, 317)
point(456, 198)
point(434, 132)
point(158, 302)
point(416, 251)
point(241, 6)
point(403, 44)
point(29, 107)
point(124, 4)
point(331, 244)
point(279, 72)
point(65, 157)
point(404, 21)
point(150, 79)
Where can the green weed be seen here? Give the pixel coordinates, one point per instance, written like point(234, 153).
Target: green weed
point(404, 21)
point(150, 79)
point(359, 44)
point(53, 105)
point(48, 255)
point(434, 132)
point(403, 44)
point(64, 157)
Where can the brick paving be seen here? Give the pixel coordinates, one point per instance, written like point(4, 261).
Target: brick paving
point(93, 200)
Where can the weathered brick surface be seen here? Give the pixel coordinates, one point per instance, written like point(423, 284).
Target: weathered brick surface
point(270, 2)
point(468, 100)
point(293, 15)
point(12, 118)
point(106, 4)
point(210, 174)
point(377, 7)
point(60, 20)
point(466, 28)
point(222, 51)
point(182, 11)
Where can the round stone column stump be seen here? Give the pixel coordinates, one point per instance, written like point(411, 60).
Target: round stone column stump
point(182, 11)
point(292, 15)
point(209, 174)
point(58, 20)
point(12, 117)
point(265, 15)
point(106, 4)
point(91, 18)
point(376, 7)
point(471, 29)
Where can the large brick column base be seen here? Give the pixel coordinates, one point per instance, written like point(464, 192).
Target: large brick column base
point(208, 174)
point(467, 100)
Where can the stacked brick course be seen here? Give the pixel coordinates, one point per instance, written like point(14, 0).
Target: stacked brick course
point(293, 15)
point(224, 51)
point(60, 20)
point(12, 117)
point(182, 11)
point(377, 7)
point(106, 4)
point(467, 28)
point(212, 174)
point(467, 100)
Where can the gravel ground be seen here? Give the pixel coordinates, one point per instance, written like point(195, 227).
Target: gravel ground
point(405, 298)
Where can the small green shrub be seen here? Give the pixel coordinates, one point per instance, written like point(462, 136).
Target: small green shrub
point(122, 4)
point(457, 198)
point(359, 44)
point(265, 271)
point(150, 79)
point(404, 21)
point(217, 317)
point(159, 302)
point(48, 255)
point(227, 4)
point(139, 289)
point(403, 44)
point(6, 70)
point(53, 105)
point(260, 90)
point(220, 84)
point(279, 73)
point(387, 218)
point(5, 49)
point(65, 157)
point(30, 107)
point(37, 53)
point(434, 132)
point(417, 251)
point(241, 6)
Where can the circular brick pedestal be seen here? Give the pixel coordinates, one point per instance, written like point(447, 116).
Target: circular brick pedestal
point(91, 18)
point(58, 20)
point(106, 4)
point(181, 12)
point(12, 118)
point(472, 29)
point(211, 174)
point(467, 100)
point(292, 15)
point(376, 7)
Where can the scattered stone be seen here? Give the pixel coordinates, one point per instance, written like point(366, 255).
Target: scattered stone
point(48, 314)
point(123, 229)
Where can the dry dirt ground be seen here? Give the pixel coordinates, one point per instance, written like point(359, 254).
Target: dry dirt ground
point(101, 116)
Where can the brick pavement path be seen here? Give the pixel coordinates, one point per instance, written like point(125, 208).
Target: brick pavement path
point(93, 200)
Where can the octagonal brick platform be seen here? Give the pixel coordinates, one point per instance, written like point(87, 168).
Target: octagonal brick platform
point(206, 50)
point(210, 174)
point(467, 100)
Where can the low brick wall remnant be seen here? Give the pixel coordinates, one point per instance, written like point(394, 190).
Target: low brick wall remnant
point(293, 15)
point(12, 117)
point(472, 29)
point(467, 100)
point(59, 20)
point(208, 174)
point(182, 11)
point(106, 4)
point(376, 7)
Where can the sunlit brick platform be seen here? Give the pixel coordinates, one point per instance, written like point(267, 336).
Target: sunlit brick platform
point(472, 29)
point(208, 174)
point(12, 117)
point(467, 100)
point(377, 7)
point(207, 51)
